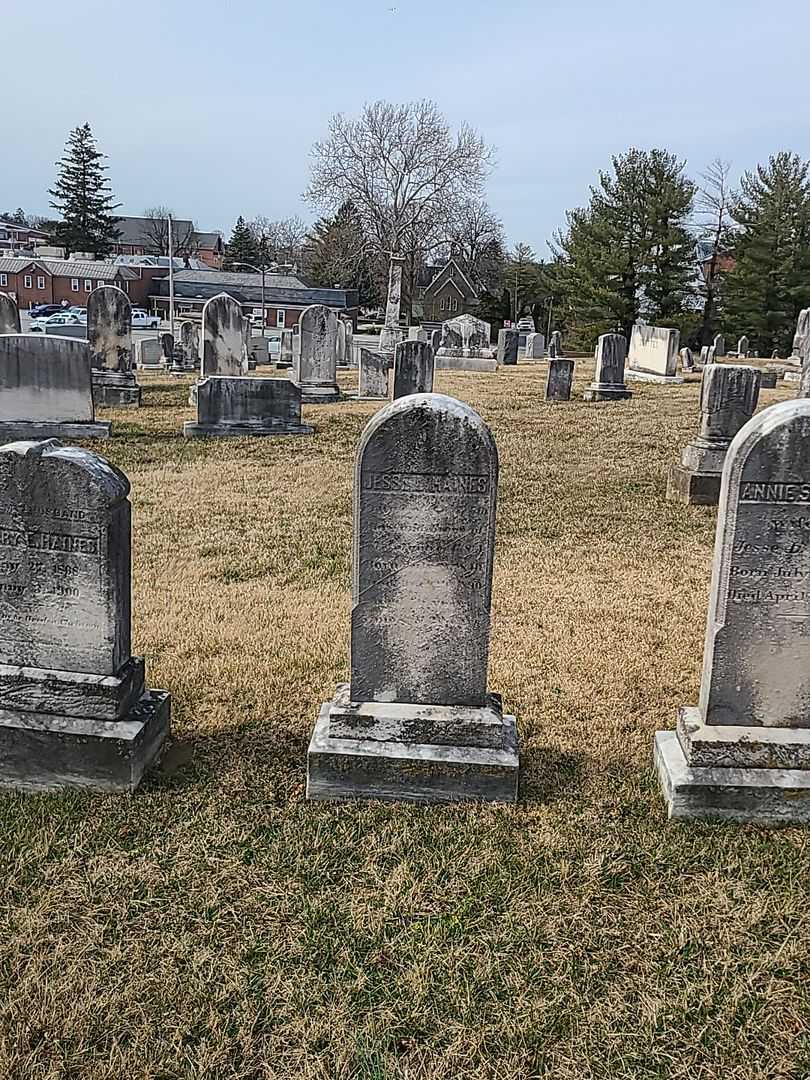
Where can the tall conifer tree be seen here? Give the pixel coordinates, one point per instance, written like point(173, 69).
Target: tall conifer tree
point(82, 196)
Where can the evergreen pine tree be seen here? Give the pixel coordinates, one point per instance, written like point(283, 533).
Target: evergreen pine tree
point(629, 252)
point(770, 283)
point(242, 246)
point(338, 254)
point(82, 195)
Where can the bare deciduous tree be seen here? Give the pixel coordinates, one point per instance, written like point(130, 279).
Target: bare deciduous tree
point(403, 169)
point(279, 241)
point(156, 234)
point(712, 224)
point(475, 236)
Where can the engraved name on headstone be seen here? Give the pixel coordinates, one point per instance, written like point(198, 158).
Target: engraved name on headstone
point(223, 338)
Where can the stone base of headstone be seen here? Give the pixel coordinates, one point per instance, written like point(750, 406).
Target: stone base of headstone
point(767, 380)
point(559, 380)
point(115, 390)
point(447, 362)
point(244, 407)
point(693, 488)
point(89, 743)
point(413, 753)
point(606, 392)
point(792, 376)
point(37, 430)
point(757, 776)
point(632, 375)
point(314, 395)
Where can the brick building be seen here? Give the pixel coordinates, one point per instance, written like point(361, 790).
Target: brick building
point(50, 281)
point(286, 295)
point(142, 236)
point(15, 238)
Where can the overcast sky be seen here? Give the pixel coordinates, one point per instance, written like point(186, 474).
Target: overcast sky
point(211, 108)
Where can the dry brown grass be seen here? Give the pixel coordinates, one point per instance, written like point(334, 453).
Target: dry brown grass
point(216, 926)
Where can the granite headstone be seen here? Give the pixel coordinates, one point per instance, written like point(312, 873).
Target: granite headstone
point(413, 369)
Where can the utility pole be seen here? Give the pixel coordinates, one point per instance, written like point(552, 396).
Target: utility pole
point(171, 277)
point(550, 309)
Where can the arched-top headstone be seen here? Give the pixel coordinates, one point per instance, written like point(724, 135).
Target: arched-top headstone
point(756, 668)
point(413, 369)
point(9, 315)
point(743, 347)
point(555, 347)
point(719, 345)
point(424, 534)
point(75, 708)
point(315, 362)
point(223, 338)
point(801, 339)
point(687, 359)
point(109, 329)
point(65, 527)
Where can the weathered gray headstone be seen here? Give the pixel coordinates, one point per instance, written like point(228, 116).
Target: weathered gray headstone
point(508, 346)
point(560, 379)
point(417, 721)
point(314, 370)
point(801, 339)
point(223, 343)
point(149, 353)
point(286, 356)
point(167, 349)
point(687, 360)
point(653, 354)
point(46, 389)
point(372, 374)
point(743, 753)
point(9, 315)
point(340, 345)
point(232, 407)
point(413, 369)
point(743, 347)
point(465, 345)
point(75, 711)
point(392, 332)
point(719, 345)
point(535, 346)
point(436, 340)
point(416, 333)
point(349, 330)
point(190, 344)
point(109, 336)
point(608, 383)
point(259, 350)
point(728, 398)
point(704, 356)
point(555, 347)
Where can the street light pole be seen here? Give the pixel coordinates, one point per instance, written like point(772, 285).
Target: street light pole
point(171, 277)
point(259, 270)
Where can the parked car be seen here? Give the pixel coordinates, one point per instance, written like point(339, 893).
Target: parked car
point(526, 325)
point(61, 318)
point(142, 321)
point(78, 313)
point(41, 311)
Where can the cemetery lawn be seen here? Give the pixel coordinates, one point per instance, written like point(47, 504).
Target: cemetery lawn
point(215, 925)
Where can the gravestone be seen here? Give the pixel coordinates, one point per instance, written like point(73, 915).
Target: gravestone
point(743, 753)
point(719, 346)
point(801, 339)
point(413, 369)
point(259, 350)
point(728, 399)
point(74, 708)
point(704, 357)
point(349, 329)
point(417, 721)
point(508, 347)
point(340, 346)
point(372, 374)
point(167, 349)
point(46, 389)
point(190, 344)
point(653, 354)
point(555, 344)
point(286, 355)
point(436, 340)
point(535, 346)
point(560, 379)
point(687, 360)
point(109, 335)
point(223, 342)
point(149, 354)
point(466, 345)
point(743, 347)
point(315, 358)
point(392, 332)
point(608, 383)
point(416, 333)
point(9, 315)
point(233, 407)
